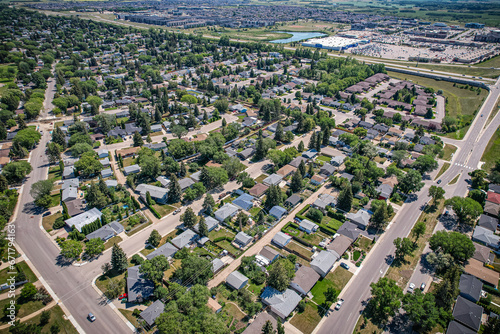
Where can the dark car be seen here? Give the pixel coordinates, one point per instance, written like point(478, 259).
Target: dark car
point(344, 265)
point(439, 182)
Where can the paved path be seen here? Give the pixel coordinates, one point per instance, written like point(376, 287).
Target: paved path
point(32, 315)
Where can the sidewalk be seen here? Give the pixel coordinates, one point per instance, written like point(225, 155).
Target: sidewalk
point(32, 315)
point(5, 295)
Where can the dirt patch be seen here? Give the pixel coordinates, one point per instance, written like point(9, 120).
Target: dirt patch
point(321, 26)
point(297, 27)
point(406, 273)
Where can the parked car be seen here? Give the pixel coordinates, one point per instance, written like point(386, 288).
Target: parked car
point(422, 286)
point(411, 288)
point(339, 304)
point(177, 211)
point(91, 317)
point(344, 265)
point(123, 296)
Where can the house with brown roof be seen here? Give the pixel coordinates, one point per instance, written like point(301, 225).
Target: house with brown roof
point(340, 244)
point(286, 171)
point(258, 190)
point(304, 280)
point(128, 152)
point(487, 275)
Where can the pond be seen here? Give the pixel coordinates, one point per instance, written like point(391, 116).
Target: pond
point(297, 36)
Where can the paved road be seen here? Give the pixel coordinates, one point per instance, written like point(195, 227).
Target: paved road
point(469, 153)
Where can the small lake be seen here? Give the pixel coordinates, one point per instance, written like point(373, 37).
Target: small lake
point(297, 36)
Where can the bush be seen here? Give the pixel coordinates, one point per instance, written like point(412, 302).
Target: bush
point(315, 215)
point(59, 223)
point(136, 313)
point(128, 228)
point(137, 259)
point(302, 306)
point(259, 278)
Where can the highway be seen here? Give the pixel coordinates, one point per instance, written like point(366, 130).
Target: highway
point(469, 153)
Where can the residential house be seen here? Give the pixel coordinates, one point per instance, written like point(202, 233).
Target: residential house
point(258, 190)
point(293, 201)
point(214, 305)
point(133, 169)
point(236, 280)
point(105, 162)
point(156, 146)
point(384, 191)
point(69, 194)
point(153, 311)
point(256, 326)
point(308, 226)
point(488, 222)
point(310, 155)
point(317, 179)
point(139, 288)
point(360, 218)
point(468, 313)
point(327, 170)
point(217, 265)
point(269, 253)
point(486, 275)
point(186, 183)
point(281, 239)
point(323, 262)
point(278, 212)
point(349, 230)
point(105, 173)
point(273, 180)
point(111, 183)
point(228, 210)
point(246, 153)
point(280, 303)
point(107, 231)
point(323, 201)
point(102, 153)
point(68, 172)
point(211, 223)
point(158, 194)
point(492, 204)
point(185, 239)
point(486, 237)
point(84, 218)
point(242, 239)
point(340, 244)
point(244, 201)
point(75, 207)
point(457, 328)
point(286, 171)
point(470, 288)
point(296, 162)
point(482, 253)
point(167, 250)
point(347, 176)
point(304, 280)
point(156, 128)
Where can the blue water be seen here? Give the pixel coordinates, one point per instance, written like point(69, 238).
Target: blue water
point(297, 36)
point(125, 206)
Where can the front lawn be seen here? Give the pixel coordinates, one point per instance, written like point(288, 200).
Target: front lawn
point(128, 314)
point(365, 244)
point(222, 232)
point(114, 240)
point(229, 247)
point(48, 221)
point(261, 178)
point(55, 173)
point(163, 209)
point(22, 266)
point(307, 321)
point(55, 199)
point(319, 289)
point(340, 277)
point(102, 281)
point(448, 150)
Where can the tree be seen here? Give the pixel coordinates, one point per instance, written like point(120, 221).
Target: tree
point(221, 105)
point(403, 247)
point(174, 190)
point(296, 182)
point(94, 247)
point(274, 196)
point(437, 193)
point(55, 328)
point(44, 317)
point(281, 274)
point(447, 290)
point(114, 288)
point(385, 300)
point(268, 328)
point(189, 99)
point(202, 227)
point(380, 216)
point(344, 201)
point(458, 245)
point(27, 138)
point(466, 209)
point(410, 182)
point(40, 191)
point(155, 268)
point(492, 327)
point(138, 139)
point(279, 134)
point(418, 230)
point(189, 218)
point(208, 203)
point(178, 130)
point(213, 177)
point(302, 168)
point(422, 310)
point(154, 238)
point(71, 249)
point(119, 261)
point(88, 165)
point(95, 102)
point(194, 270)
point(233, 166)
point(16, 171)
point(53, 152)
point(28, 291)
point(301, 147)
point(425, 163)
point(79, 148)
point(150, 166)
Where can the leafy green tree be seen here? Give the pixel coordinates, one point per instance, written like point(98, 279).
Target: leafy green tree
point(202, 227)
point(118, 259)
point(403, 247)
point(281, 274)
point(174, 190)
point(53, 152)
point(114, 288)
point(179, 131)
point(437, 193)
point(45, 317)
point(447, 290)
point(154, 268)
point(28, 291)
point(296, 182)
point(79, 148)
point(385, 301)
point(88, 165)
point(189, 218)
point(40, 191)
point(425, 164)
point(197, 270)
point(27, 138)
point(380, 216)
point(410, 182)
point(95, 102)
point(55, 328)
point(492, 327)
point(16, 171)
point(418, 230)
point(422, 310)
point(150, 166)
point(458, 245)
point(94, 247)
point(208, 203)
point(71, 249)
point(154, 238)
point(466, 209)
point(221, 105)
point(213, 177)
point(344, 201)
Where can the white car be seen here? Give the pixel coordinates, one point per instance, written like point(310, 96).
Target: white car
point(411, 288)
point(339, 304)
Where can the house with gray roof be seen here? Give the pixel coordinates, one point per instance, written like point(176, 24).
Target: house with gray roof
point(488, 222)
point(246, 153)
point(133, 169)
point(308, 226)
point(280, 303)
point(244, 201)
point(269, 253)
point(106, 173)
point(281, 239)
point(327, 169)
point(153, 311)
point(210, 222)
point(242, 239)
point(84, 218)
point(158, 194)
point(156, 146)
point(236, 280)
point(296, 162)
point(68, 172)
point(228, 210)
point(304, 280)
point(323, 262)
point(349, 230)
point(163, 180)
point(185, 239)
point(256, 326)
point(167, 250)
point(384, 190)
point(347, 176)
point(186, 183)
point(138, 287)
point(340, 244)
point(111, 183)
point(75, 207)
point(196, 176)
point(457, 328)
point(323, 201)
point(105, 162)
point(360, 218)
point(292, 201)
point(486, 237)
point(470, 287)
point(102, 153)
point(69, 194)
point(468, 313)
point(156, 128)
point(217, 265)
point(273, 180)
point(311, 154)
point(107, 231)
point(74, 182)
point(277, 212)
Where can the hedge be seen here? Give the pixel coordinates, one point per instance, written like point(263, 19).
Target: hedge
point(491, 290)
point(488, 306)
point(304, 209)
point(336, 215)
point(222, 239)
point(153, 210)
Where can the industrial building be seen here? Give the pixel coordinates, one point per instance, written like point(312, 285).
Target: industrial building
point(333, 43)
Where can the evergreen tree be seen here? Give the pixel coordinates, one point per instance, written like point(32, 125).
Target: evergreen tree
point(58, 137)
point(118, 259)
point(310, 169)
point(319, 138)
point(296, 182)
point(300, 148)
point(345, 198)
point(154, 238)
point(302, 168)
point(208, 203)
point(202, 227)
point(268, 328)
point(174, 190)
point(149, 200)
point(138, 139)
point(274, 196)
point(312, 141)
point(182, 171)
point(189, 218)
point(279, 134)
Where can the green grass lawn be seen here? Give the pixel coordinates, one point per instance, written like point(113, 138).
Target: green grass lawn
point(365, 244)
point(56, 317)
point(48, 221)
point(340, 277)
point(163, 209)
point(229, 247)
point(55, 173)
point(25, 309)
point(323, 158)
point(55, 199)
point(102, 281)
point(128, 314)
point(255, 211)
point(319, 289)
point(355, 255)
point(295, 246)
point(112, 241)
point(492, 151)
point(307, 321)
point(261, 178)
point(21, 266)
point(455, 179)
point(220, 233)
point(448, 150)
point(128, 161)
point(254, 288)
point(443, 169)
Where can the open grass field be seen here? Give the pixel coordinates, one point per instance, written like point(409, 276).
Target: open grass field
point(492, 151)
point(307, 321)
point(448, 150)
point(443, 169)
point(484, 72)
point(462, 104)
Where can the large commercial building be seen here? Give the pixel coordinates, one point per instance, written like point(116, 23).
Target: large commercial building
point(333, 43)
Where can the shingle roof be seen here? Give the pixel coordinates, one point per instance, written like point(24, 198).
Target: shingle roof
point(152, 312)
point(293, 200)
point(306, 278)
point(273, 179)
point(228, 210)
point(132, 169)
point(138, 285)
point(362, 217)
point(167, 250)
point(282, 303)
point(340, 244)
point(281, 238)
point(468, 313)
point(107, 231)
point(258, 189)
point(277, 211)
point(236, 280)
point(470, 287)
point(325, 260)
point(217, 264)
point(457, 328)
point(488, 222)
point(308, 225)
point(243, 239)
point(184, 239)
point(244, 201)
point(349, 230)
point(84, 218)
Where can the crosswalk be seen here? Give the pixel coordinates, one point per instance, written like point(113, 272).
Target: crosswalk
point(464, 166)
